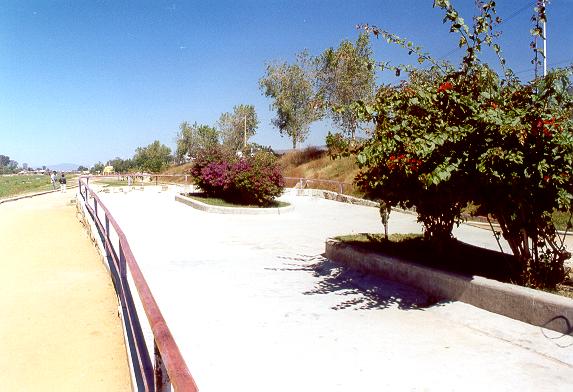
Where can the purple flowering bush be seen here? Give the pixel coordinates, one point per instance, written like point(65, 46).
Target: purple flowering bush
point(248, 180)
point(257, 179)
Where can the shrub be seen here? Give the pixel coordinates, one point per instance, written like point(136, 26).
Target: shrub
point(253, 179)
point(258, 179)
point(205, 171)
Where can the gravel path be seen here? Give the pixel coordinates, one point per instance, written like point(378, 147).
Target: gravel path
point(59, 329)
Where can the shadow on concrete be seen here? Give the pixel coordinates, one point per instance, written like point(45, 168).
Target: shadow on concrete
point(358, 290)
point(561, 340)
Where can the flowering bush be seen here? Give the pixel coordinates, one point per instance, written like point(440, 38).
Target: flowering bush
point(254, 179)
point(446, 137)
point(258, 179)
point(210, 170)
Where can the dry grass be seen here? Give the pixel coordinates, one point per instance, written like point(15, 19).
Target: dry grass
point(322, 167)
point(293, 159)
point(180, 169)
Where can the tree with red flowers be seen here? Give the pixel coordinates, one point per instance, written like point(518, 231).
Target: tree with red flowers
point(448, 136)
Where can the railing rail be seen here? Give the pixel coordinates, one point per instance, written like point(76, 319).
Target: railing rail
point(168, 366)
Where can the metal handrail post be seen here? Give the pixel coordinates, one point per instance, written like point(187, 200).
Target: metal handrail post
point(107, 251)
point(122, 269)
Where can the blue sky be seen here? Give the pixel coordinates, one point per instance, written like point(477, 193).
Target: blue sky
point(85, 81)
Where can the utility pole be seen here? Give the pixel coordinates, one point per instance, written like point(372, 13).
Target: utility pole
point(545, 39)
point(245, 134)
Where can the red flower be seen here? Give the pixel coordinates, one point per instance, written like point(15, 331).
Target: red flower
point(549, 122)
point(537, 126)
point(546, 178)
point(494, 105)
point(445, 87)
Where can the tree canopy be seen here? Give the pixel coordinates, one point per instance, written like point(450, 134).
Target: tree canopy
point(193, 138)
point(294, 99)
point(344, 76)
point(153, 158)
point(236, 128)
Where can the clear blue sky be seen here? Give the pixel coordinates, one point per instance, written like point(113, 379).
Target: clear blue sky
point(86, 80)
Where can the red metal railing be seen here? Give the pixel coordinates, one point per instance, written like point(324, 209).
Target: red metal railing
point(168, 366)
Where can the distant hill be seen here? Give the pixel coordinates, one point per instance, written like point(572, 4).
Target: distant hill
point(63, 167)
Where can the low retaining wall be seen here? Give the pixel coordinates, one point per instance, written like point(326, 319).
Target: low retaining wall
point(335, 196)
point(232, 210)
point(521, 303)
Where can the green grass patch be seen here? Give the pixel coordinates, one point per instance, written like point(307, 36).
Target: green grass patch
point(214, 201)
point(22, 184)
point(456, 257)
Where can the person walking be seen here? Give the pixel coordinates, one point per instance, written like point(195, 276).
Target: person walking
point(53, 179)
point(63, 183)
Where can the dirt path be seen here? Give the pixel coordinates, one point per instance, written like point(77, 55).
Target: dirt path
point(59, 328)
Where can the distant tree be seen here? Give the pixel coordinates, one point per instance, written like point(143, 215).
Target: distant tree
point(294, 99)
point(344, 76)
point(97, 168)
point(236, 128)
point(7, 166)
point(121, 165)
point(153, 158)
point(192, 138)
point(4, 160)
point(12, 166)
point(80, 168)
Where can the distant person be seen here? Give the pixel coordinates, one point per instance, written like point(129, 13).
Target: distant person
point(53, 179)
point(63, 183)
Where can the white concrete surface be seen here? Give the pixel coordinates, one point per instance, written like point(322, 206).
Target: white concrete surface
point(254, 306)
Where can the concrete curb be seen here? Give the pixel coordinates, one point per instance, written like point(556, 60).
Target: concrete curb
point(330, 195)
point(232, 210)
point(20, 197)
point(521, 303)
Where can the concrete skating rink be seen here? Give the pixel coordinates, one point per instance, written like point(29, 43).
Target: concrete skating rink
point(254, 306)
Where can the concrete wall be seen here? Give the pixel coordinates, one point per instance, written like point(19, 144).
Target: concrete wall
point(335, 196)
point(521, 303)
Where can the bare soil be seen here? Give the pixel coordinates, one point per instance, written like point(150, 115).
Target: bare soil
point(60, 328)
